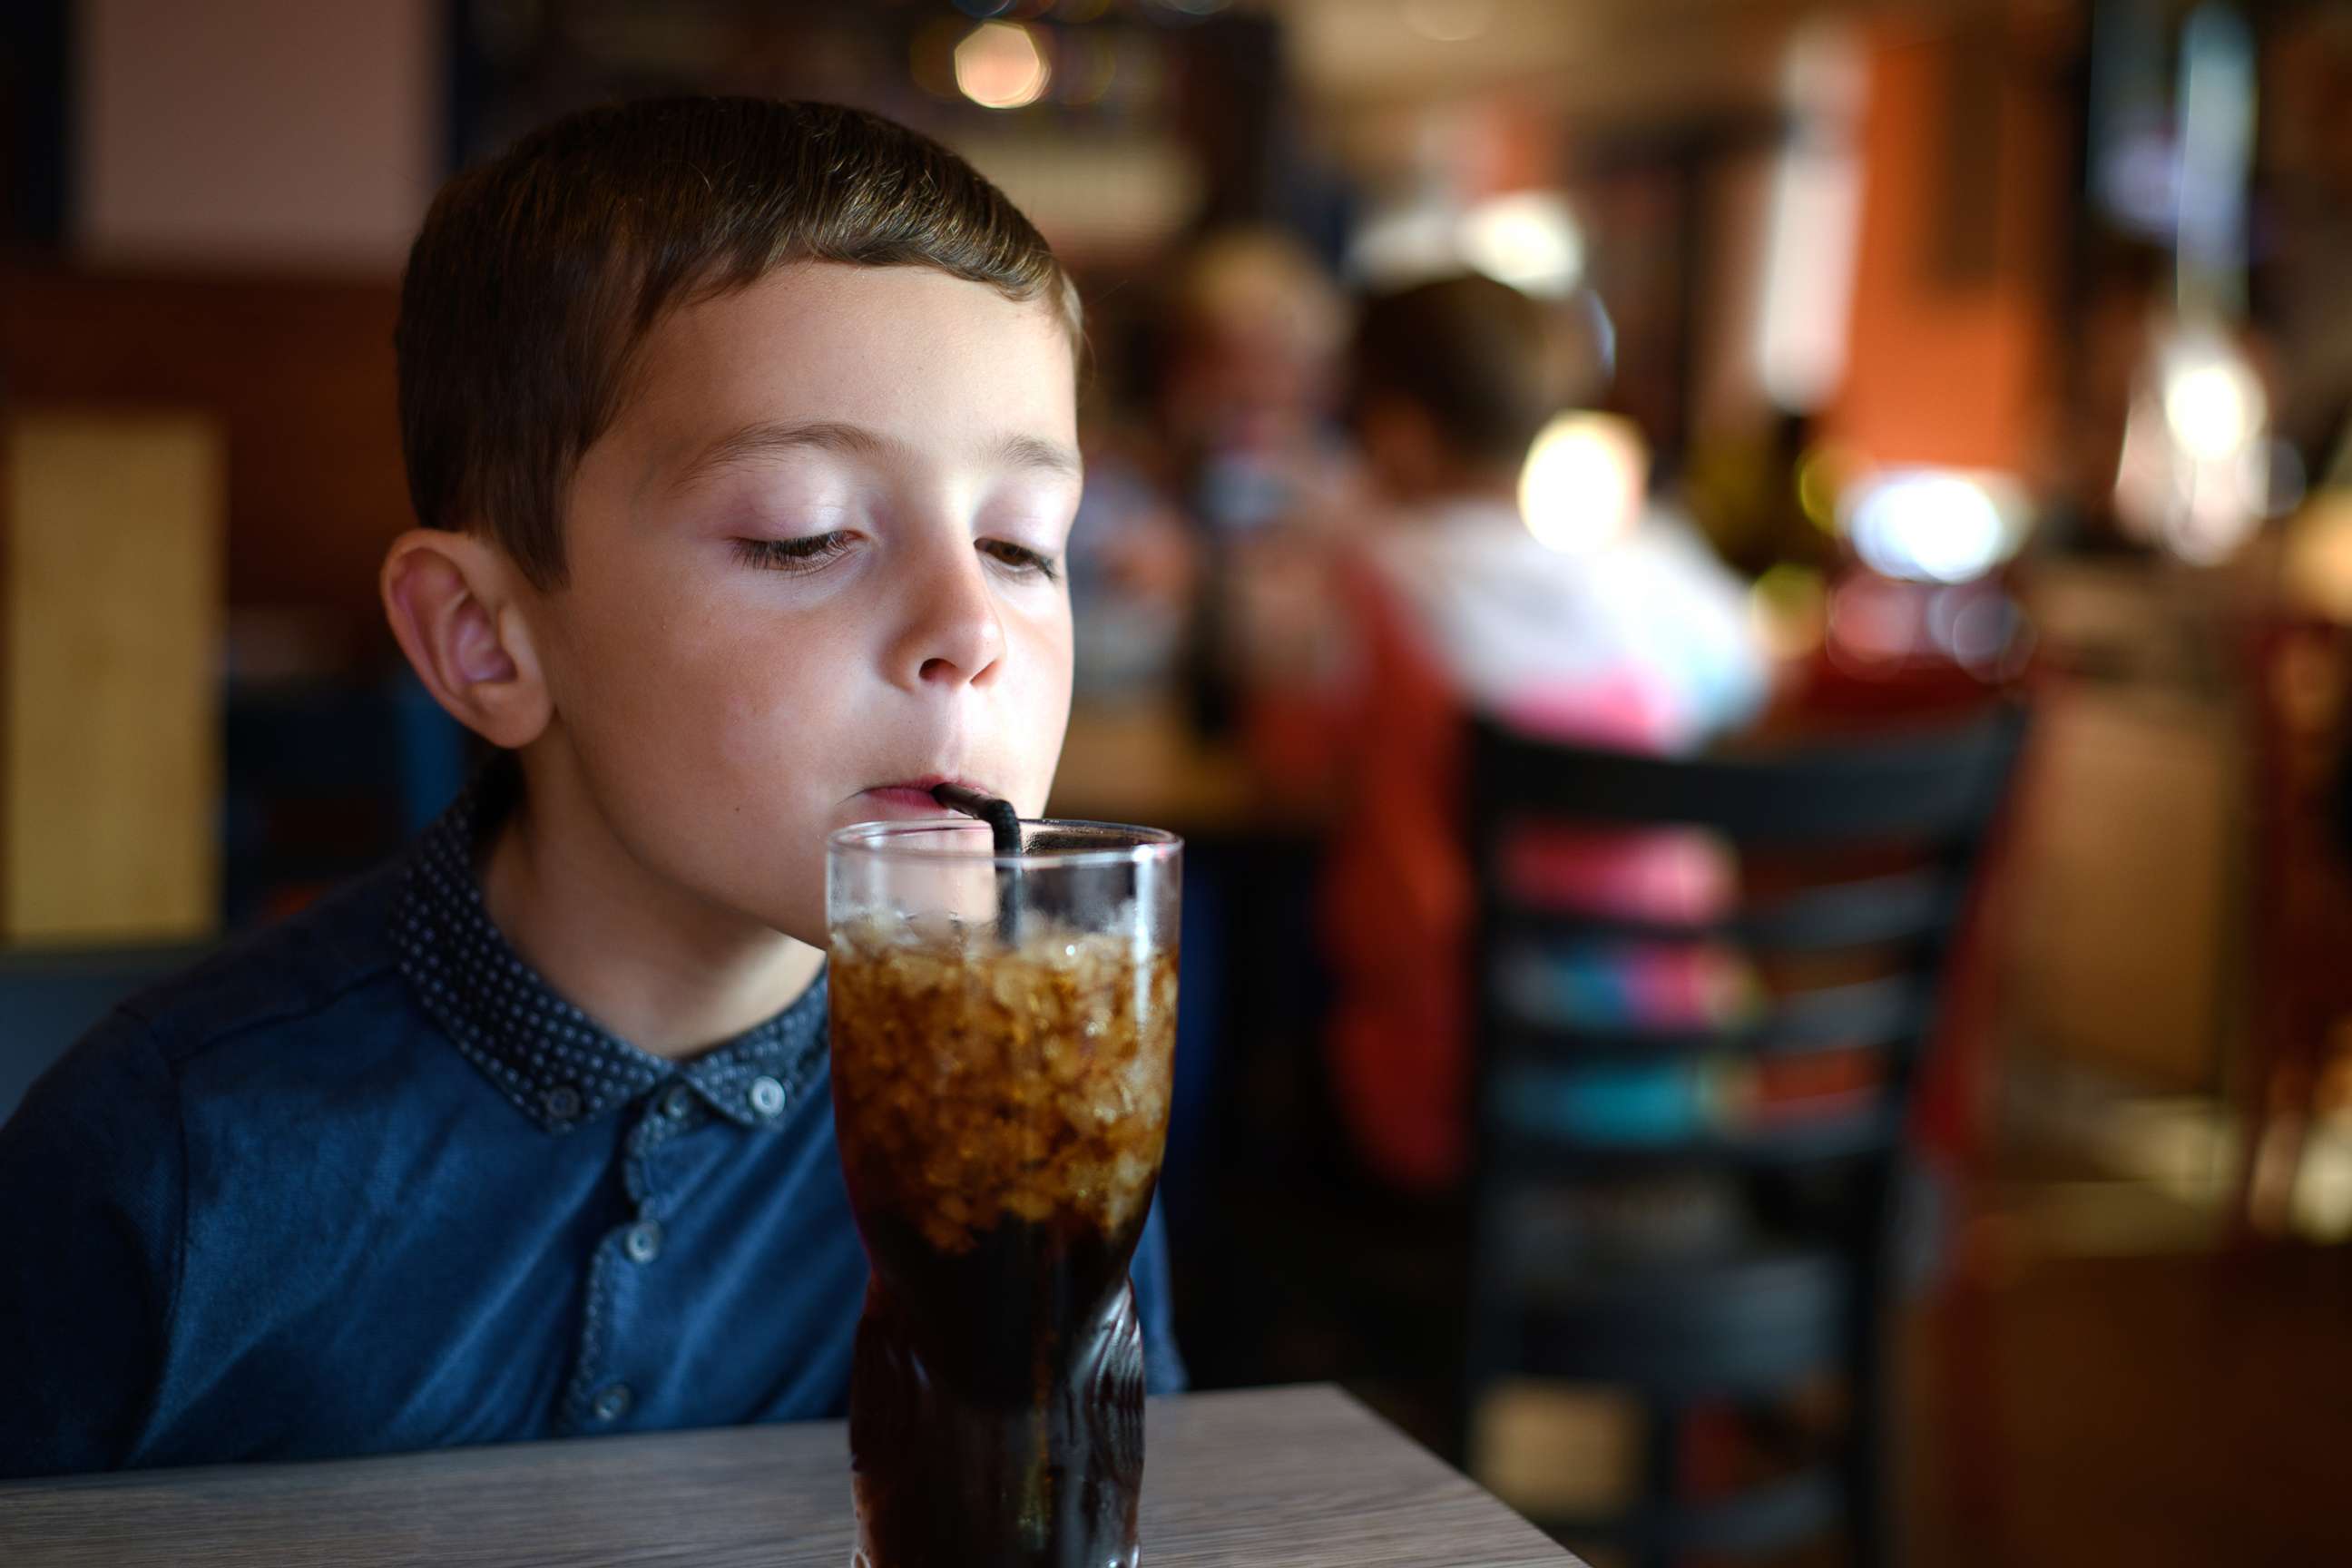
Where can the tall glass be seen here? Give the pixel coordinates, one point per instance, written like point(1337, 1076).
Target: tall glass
point(1003, 1030)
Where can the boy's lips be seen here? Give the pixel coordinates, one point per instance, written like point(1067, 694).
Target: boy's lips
point(912, 798)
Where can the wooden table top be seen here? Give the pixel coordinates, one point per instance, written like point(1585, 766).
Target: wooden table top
point(1302, 1476)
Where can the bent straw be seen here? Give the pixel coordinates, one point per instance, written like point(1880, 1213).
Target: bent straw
point(1005, 827)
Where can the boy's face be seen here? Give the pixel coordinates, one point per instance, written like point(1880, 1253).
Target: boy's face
point(814, 567)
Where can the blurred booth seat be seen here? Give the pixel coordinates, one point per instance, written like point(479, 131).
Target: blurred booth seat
point(325, 778)
point(1703, 1214)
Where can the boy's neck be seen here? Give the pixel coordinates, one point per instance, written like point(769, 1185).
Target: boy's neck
point(659, 967)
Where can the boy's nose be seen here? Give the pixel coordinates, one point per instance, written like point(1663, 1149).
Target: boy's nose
point(953, 634)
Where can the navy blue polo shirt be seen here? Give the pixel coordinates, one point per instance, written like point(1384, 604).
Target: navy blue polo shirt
point(366, 1184)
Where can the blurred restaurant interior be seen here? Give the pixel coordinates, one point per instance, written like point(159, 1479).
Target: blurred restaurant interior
point(1873, 845)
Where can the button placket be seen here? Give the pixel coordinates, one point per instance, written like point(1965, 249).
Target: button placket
point(669, 1112)
point(603, 1399)
point(641, 1239)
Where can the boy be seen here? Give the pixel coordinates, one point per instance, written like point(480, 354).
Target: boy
point(743, 433)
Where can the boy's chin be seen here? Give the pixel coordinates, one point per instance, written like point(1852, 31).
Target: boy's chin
point(804, 926)
point(801, 921)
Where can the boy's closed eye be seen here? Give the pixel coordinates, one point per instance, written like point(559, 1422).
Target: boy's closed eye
point(813, 552)
point(807, 553)
point(1022, 559)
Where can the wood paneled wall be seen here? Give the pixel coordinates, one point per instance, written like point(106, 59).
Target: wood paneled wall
point(297, 375)
point(110, 691)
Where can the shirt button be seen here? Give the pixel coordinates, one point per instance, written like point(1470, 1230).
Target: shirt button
point(676, 1102)
point(612, 1403)
point(642, 1241)
point(562, 1102)
point(767, 1096)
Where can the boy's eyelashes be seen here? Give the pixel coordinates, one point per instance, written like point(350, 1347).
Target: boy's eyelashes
point(812, 551)
point(803, 554)
point(1020, 559)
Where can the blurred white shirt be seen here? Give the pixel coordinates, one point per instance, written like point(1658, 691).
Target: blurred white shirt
point(1521, 627)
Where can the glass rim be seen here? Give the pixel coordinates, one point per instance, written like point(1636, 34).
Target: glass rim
point(1141, 846)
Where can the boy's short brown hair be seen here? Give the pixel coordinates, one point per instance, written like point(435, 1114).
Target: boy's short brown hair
point(537, 276)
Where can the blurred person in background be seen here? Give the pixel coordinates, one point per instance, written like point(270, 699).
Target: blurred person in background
point(1512, 568)
point(1248, 386)
point(1234, 448)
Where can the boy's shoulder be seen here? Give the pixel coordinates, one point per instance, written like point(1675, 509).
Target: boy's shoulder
point(118, 1105)
point(280, 977)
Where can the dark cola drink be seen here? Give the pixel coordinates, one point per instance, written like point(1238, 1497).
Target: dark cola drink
point(1001, 1113)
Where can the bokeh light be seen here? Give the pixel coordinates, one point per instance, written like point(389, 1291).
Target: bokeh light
point(1528, 239)
point(1000, 66)
point(1788, 606)
point(2211, 407)
point(1932, 525)
point(1581, 486)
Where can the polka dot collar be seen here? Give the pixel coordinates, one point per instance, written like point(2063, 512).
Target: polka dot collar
point(557, 1065)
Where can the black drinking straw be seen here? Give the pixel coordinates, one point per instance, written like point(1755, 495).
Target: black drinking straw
point(1004, 826)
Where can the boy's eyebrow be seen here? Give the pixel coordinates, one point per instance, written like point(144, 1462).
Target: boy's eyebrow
point(1030, 452)
point(765, 437)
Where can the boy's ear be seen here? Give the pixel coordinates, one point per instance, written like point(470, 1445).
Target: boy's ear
point(453, 601)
